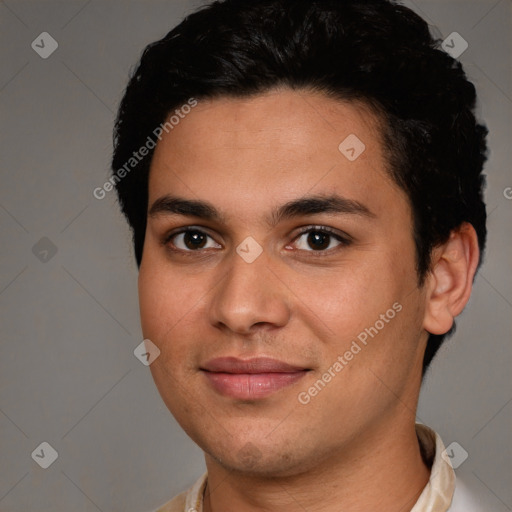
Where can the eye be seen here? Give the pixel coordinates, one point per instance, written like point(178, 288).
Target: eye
point(320, 239)
point(191, 240)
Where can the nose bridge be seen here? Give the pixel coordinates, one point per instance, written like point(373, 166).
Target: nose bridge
point(248, 294)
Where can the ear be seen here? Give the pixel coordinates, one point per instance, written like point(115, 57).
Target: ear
point(450, 280)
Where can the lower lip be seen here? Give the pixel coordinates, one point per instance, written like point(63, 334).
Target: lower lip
point(251, 386)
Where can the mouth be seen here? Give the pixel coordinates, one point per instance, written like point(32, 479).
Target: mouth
point(250, 379)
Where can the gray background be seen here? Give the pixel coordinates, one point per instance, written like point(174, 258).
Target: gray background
point(69, 325)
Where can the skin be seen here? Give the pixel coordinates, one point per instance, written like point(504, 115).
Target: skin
point(354, 443)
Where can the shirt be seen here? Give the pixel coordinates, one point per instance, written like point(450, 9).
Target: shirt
point(441, 494)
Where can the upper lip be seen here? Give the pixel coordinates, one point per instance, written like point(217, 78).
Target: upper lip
point(254, 365)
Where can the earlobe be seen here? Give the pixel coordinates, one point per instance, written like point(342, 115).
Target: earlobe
point(450, 281)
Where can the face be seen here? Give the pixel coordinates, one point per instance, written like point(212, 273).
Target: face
point(278, 281)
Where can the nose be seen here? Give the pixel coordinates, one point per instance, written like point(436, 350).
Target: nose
point(250, 296)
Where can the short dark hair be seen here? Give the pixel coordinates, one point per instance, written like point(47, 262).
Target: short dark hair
point(375, 51)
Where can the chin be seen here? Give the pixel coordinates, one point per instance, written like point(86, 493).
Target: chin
point(257, 460)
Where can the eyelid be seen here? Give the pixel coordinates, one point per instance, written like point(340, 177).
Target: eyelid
point(183, 229)
point(324, 229)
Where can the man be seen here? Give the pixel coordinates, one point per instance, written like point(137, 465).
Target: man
point(303, 181)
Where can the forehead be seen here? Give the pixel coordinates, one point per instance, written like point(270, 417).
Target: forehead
point(279, 117)
point(275, 146)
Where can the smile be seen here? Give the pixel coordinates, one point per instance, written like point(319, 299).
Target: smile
point(250, 379)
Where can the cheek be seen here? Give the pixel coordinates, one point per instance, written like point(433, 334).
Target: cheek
point(360, 302)
point(165, 310)
point(150, 302)
point(172, 315)
point(160, 304)
point(353, 295)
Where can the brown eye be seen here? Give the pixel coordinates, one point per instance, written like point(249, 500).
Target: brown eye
point(194, 239)
point(191, 240)
point(320, 240)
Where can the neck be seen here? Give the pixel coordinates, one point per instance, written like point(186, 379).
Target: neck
point(383, 470)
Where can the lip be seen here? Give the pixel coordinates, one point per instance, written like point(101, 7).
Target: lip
point(250, 379)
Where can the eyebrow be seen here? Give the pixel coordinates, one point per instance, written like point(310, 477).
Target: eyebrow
point(309, 205)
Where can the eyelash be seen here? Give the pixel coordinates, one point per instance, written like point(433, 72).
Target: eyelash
point(344, 241)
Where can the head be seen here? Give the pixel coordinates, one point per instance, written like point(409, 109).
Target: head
point(246, 106)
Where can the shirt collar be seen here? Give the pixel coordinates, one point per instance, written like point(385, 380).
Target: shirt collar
point(438, 493)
